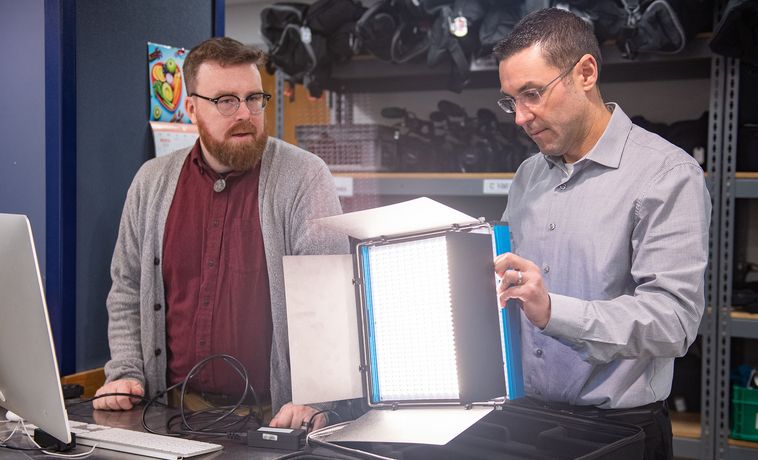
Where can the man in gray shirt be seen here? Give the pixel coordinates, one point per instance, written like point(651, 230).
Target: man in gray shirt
point(609, 233)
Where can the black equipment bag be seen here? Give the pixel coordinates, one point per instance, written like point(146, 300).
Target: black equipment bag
point(500, 18)
point(393, 31)
point(736, 35)
point(645, 26)
point(304, 40)
point(280, 28)
point(455, 36)
point(335, 20)
point(498, 24)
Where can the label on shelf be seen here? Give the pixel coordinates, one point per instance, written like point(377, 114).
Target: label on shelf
point(496, 186)
point(344, 185)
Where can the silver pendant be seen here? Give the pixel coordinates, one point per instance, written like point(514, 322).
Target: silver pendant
point(219, 185)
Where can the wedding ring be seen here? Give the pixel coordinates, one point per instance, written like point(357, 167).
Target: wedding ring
point(520, 278)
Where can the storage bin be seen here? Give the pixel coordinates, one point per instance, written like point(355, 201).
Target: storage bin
point(362, 147)
point(745, 413)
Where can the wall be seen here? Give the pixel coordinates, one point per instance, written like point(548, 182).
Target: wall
point(112, 135)
point(22, 114)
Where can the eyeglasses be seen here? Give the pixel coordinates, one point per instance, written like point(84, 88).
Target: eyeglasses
point(228, 104)
point(530, 97)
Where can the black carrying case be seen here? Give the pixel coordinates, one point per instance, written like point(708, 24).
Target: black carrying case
point(517, 433)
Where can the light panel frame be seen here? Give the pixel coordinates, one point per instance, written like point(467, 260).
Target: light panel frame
point(487, 342)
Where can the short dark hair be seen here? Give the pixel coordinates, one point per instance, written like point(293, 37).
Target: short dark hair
point(563, 36)
point(222, 50)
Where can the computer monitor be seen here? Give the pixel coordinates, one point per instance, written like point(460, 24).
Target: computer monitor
point(29, 379)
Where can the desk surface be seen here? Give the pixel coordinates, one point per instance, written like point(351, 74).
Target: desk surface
point(157, 417)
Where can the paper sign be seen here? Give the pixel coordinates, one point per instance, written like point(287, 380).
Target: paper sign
point(169, 137)
point(344, 185)
point(496, 186)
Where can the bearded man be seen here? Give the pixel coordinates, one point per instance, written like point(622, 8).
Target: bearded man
point(197, 267)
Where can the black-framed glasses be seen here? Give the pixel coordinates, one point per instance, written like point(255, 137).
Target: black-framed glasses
point(228, 104)
point(530, 97)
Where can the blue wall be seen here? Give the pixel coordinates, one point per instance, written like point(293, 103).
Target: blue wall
point(22, 114)
point(113, 136)
point(73, 131)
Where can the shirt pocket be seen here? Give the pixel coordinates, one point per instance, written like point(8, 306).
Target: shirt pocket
point(244, 246)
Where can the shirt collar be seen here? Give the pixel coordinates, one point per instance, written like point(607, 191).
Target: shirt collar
point(608, 149)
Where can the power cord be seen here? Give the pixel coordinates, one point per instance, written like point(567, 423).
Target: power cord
point(209, 420)
point(308, 426)
point(313, 440)
point(218, 415)
point(38, 448)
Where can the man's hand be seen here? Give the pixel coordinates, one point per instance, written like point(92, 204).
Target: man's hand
point(129, 386)
point(522, 279)
point(292, 416)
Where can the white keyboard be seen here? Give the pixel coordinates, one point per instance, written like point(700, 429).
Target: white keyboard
point(138, 442)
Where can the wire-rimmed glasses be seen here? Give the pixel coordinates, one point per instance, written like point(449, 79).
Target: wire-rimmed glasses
point(530, 97)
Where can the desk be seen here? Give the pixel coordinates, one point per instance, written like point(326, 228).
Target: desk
point(157, 417)
point(513, 432)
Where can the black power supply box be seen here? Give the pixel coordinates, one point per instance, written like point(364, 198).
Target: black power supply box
point(276, 438)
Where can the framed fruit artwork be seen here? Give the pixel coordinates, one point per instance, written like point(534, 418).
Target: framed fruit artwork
point(166, 82)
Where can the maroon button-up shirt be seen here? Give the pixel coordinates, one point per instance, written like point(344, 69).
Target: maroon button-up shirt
point(214, 272)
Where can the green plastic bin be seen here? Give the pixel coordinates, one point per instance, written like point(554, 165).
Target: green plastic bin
point(745, 413)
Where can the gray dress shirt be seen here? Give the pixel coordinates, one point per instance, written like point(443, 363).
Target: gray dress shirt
point(623, 247)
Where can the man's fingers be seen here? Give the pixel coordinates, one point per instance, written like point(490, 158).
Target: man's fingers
point(118, 402)
point(319, 421)
point(510, 261)
point(283, 418)
point(294, 416)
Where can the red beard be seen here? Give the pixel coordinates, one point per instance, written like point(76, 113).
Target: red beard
point(240, 156)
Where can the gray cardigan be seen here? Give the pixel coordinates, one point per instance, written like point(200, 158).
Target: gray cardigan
point(295, 186)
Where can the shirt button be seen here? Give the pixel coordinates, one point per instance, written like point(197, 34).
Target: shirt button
point(206, 300)
point(157, 352)
point(157, 307)
point(546, 269)
point(215, 222)
point(562, 187)
point(538, 352)
point(211, 263)
point(552, 227)
point(156, 261)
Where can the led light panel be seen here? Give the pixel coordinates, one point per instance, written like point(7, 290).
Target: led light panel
point(433, 331)
point(413, 320)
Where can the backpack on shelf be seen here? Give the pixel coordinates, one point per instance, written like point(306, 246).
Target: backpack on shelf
point(393, 31)
point(455, 36)
point(644, 26)
point(305, 40)
point(736, 34)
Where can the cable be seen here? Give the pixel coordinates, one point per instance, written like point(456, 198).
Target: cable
point(312, 438)
point(218, 414)
point(15, 428)
point(209, 420)
point(142, 398)
point(308, 426)
point(39, 448)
